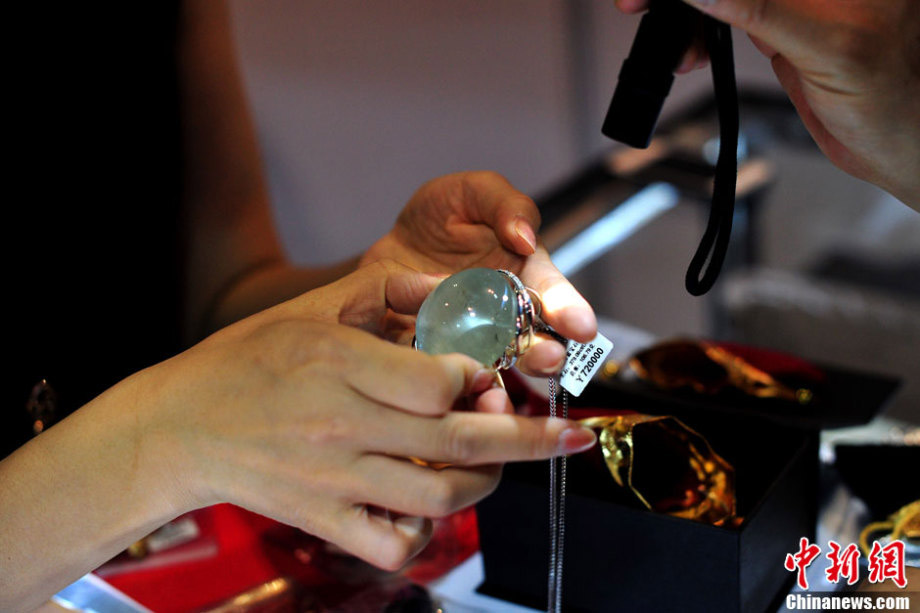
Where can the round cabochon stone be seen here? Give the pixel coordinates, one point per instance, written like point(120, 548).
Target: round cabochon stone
point(473, 312)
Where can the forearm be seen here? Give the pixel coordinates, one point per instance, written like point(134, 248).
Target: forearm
point(81, 492)
point(235, 262)
point(267, 284)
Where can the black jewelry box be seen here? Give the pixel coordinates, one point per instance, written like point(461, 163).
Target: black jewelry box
point(622, 557)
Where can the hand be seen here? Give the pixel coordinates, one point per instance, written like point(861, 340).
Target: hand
point(475, 219)
point(852, 70)
point(295, 416)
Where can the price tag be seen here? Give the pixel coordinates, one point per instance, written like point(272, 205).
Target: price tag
point(582, 361)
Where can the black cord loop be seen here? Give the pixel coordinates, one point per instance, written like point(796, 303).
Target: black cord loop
point(714, 244)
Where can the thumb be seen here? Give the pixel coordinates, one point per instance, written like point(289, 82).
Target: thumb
point(404, 288)
point(361, 299)
point(381, 285)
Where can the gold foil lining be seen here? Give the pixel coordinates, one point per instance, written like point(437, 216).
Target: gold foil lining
point(669, 467)
point(905, 522)
point(680, 363)
point(752, 380)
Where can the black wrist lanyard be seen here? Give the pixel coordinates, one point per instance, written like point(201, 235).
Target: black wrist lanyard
point(664, 35)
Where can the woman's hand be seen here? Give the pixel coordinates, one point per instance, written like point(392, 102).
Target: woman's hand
point(288, 413)
point(852, 70)
point(297, 417)
point(472, 219)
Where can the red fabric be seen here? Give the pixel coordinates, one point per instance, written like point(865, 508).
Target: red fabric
point(238, 564)
point(455, 538)
point(251, 549)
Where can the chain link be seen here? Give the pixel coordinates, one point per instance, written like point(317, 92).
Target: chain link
point(557, 479)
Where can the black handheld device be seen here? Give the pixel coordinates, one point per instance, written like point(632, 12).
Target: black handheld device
point(665, 34)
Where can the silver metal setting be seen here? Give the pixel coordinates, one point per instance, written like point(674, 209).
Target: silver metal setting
point(524, 322)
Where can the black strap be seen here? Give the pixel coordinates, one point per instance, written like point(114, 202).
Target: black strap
point(714, 243)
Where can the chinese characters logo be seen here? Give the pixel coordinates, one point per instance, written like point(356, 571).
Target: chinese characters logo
point(883, 562)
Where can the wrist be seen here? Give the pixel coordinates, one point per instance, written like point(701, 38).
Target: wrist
point(84, 490)
point(167, 471)
point(139, 434)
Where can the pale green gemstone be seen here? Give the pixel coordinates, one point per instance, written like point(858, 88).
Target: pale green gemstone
point(474, 312)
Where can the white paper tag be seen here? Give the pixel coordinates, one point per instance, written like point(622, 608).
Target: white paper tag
point(582, 361)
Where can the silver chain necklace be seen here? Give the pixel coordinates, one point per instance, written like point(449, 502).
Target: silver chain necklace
point(557, 470)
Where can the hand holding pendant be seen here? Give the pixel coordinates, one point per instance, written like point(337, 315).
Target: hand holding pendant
point(477, 219)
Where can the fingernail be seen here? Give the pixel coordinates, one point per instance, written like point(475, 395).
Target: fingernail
point(580, 319)
point(555, 368)
point(483, 380)
point(523, 229)
point(576, 439)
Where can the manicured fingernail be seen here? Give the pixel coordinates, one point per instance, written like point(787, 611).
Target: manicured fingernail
point(523, 229)
point(576, 439)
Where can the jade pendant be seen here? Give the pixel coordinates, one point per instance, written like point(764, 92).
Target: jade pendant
point(480, 312)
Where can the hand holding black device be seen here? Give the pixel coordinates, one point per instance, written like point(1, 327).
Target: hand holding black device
point(665, 34)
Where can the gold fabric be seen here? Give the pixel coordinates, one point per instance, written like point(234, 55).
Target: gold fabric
point(706, 368)
point(669, 467)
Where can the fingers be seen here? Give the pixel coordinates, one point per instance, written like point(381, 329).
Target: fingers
point(405, 289)
point(695, 57)
point(361, 298)
point(763, 47)
point(511, 214)
point(493, 400)
point(378, 537)
point(792, 27)
point(412, 381)
point(410, 494)
point(544, 358)
point(563, 307)
point(514, 218)
point(476, 439)
point(411, 489)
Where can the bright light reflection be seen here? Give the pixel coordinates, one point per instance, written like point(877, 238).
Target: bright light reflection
point(614, 227)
